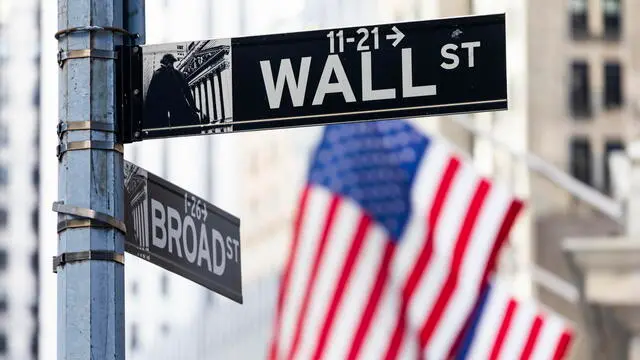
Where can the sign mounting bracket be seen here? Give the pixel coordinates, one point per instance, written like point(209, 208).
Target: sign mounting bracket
point(129, 90)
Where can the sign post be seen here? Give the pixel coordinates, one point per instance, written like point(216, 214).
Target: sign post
point(182, 233)
point(89, 264)
point(375, 72)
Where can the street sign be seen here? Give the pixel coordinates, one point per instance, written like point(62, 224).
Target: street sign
point(376, 72)
point(182, 233)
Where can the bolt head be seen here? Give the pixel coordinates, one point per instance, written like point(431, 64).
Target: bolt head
point(136, 92)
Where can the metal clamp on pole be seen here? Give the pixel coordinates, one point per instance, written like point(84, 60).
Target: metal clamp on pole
point(79, 223)
point(84, 125)
point(85, 53)
point(94, 28)
point(86, 215)
point(87, 145)
point(103, 255)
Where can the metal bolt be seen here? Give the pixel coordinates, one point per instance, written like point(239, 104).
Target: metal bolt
point(136, 49)
point(136, 134)
point(136, 92)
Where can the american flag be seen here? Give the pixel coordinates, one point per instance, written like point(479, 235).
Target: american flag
point(394, 238)
point(502, 327)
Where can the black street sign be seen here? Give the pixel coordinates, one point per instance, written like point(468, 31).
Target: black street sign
point(182, 233)
point(376, 72)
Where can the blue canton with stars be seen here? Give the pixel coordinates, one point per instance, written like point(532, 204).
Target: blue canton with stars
point(374, 164)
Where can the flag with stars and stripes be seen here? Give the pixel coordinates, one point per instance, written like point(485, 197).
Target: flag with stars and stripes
point(392, 234)
point(502, 327)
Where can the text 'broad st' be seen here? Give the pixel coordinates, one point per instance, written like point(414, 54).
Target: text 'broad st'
point(182, 233)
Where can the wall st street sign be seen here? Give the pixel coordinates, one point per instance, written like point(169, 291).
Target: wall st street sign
point(375, 72)
point(182, 233)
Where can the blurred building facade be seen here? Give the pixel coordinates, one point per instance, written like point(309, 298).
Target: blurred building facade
point(19, 178)
point(572, 66)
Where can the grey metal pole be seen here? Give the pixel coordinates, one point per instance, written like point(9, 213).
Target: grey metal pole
point(90, 271)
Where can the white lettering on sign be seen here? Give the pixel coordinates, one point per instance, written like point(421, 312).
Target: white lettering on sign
point(408, 90)
point(181, 236)
point(285, 75)
point(368, 93)
point(448, 52)
point(158, 233)
point(363, 42)
point(203, 249)
point(175, 232)
point(216, 237)
point(190, 225)
point(333, 66)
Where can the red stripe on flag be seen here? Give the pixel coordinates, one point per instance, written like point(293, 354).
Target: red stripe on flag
point(532, 339)
point(314, 272)
point(509, 218)
point(505, 228)
point(563, 345)
point(460, 249)
point(425, 256)
point(284, 286)
point(504, 328)
point(345, 274)
point(374, 301)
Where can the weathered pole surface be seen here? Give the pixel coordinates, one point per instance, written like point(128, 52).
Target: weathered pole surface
point(91, 277)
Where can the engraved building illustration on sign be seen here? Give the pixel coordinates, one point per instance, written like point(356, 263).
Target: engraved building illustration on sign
point(187, 84)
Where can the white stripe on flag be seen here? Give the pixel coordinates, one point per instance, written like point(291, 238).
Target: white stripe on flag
point(425, 186)
point(518, 332)
point(490, 320)
point(552, 328)
point(311, 228)
point(444, 238)
point(384, 322)
point(460, 305)
point(360, 285)
point(331, 263)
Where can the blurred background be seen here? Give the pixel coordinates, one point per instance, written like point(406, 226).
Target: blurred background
point(574, 109)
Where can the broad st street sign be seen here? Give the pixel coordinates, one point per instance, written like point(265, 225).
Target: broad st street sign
point(182, 233)
point(375, 72)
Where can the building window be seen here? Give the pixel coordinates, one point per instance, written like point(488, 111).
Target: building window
point(35, 220)
point(34, 345)
point(4, 136)
point(36, 96)
point(612, 19)
point(164, 284)
point(580, 90)
point(4, 259)
point(4, 175)
point(4, 303)
point(611, 145)
point(612, 85)
point(3, 217)
point(579, 19)
point(35, 176)
point(134, 337)
point(580, 161)
point(35, 262)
